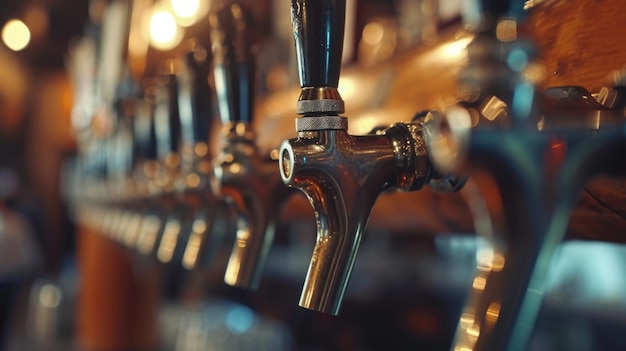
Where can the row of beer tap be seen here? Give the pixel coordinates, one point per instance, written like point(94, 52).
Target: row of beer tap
point(156, 186)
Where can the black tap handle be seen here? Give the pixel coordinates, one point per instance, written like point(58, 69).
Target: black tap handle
point(194, 100)
point(318, 27)
point(144, 136)
point(231, 43)
point(166, 116)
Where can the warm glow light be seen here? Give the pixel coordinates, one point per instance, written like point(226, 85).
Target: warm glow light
point(191, 251)
point(479, 283)
point(15, 35)
point(467, 320)
point(168, 241)
point(347, 88)
point(373, 33)
point(493, 312)
point(164, 32)
point(185, 8)
point(455, 48)
point(473, 331)
point(188, 12)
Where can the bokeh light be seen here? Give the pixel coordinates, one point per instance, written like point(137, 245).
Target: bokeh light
point(15, 35)
point(164, 32)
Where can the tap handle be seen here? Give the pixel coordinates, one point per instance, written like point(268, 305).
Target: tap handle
point(318, 31)
point(318, 27)
point(166, 117)
point(194, 96)
point(233, 62)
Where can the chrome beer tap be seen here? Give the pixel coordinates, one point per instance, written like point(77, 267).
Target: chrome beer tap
point(120, 150)
point(341, 174)
point(242, 174)
point(142, 161)
point(163, 175)
point(146, 169)
point(209, 218)
point(184, 168)
point(528, 155)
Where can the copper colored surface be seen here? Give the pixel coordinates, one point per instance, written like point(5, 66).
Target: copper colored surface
point(116, 308)
point(581, 42)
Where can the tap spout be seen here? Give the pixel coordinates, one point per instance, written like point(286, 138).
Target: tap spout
point(250, 182)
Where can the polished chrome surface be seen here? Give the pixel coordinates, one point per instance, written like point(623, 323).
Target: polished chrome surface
point(320, 99)
point(341, 175)
point(250, 181)
point(242, 174)
point(314, 123)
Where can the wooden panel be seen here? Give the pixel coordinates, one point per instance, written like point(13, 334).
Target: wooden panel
point(581, 41)
point(116, 308)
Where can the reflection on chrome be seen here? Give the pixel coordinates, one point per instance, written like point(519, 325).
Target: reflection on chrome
point(242, 173)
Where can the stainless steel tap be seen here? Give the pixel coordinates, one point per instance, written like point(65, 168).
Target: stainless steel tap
point(242, 173)
point(146, 170)
point(341, 174)
point(211, 216)
point(161, 213)
point(195, 219)
point(529, 155)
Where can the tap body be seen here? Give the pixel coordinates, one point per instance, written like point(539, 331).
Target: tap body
point(342, 175)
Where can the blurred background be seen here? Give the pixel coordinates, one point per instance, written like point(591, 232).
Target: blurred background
point(63, 287)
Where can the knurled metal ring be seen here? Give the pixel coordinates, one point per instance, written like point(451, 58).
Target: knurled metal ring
point(320, 106)
point(304, 124)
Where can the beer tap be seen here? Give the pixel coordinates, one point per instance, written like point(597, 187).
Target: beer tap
point(163, 175)
point(528, 155)
point(341, 174)
point(211, 215)
point(185, 206)
point(120, 153)
point(242, 174)
point(145, 170)
point(141, 152)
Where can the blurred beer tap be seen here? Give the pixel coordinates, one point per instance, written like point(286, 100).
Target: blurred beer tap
point(121, 190)
point(242, 173)
point(210, 214)
point(145, 169)
point(341, 174)
point(184, 168)
point(529, 155)
point(139, 156)
point(163, 177)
